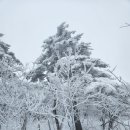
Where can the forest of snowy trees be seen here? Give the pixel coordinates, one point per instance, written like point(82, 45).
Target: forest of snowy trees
point(66, 89)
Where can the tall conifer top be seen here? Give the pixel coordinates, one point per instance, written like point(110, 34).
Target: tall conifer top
point(5, 53)
point(60, 45)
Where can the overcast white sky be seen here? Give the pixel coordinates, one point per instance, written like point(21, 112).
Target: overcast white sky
point(26, 23)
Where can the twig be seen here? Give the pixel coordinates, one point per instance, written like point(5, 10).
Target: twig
point(126, 25)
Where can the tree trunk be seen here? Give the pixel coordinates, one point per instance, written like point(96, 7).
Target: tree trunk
point(56, 120)
point(49, 125)
point(111, 121)
point(39, 126)
point(110, 126)
point(103, 123)
point(24, 123)
point(77, 121)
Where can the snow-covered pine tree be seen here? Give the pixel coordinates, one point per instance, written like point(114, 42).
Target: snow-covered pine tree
point(11, 90)
point(58, 47)
point(8, 60)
